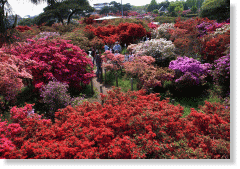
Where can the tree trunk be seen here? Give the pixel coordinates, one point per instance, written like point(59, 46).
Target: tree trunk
point(70, 15)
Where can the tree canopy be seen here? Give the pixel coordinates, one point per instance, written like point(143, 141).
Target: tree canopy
point(216, 10)
point(63, 9)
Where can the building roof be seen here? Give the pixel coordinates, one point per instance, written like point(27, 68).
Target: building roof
point(107, 17)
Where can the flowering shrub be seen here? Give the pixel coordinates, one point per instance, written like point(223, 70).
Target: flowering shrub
point(78, 38)
point(89, 20)
point(12, 72)
point(56, 58)
point(55, 96)
point(149, 76)
point(213, 47)
point(23, 28)
point(162, 30)
point(221, 72)
point(112, 61)
point(191, 72)
point(152, 25)
point(130, 125)
point(126, 33)
point(160, 49)
point(185, 35)
point(47, 35)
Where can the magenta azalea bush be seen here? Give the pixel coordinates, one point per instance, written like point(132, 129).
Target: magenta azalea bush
point(221, 72)
point(189, 71)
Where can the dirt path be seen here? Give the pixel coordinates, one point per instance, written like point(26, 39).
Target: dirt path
point(97, 84)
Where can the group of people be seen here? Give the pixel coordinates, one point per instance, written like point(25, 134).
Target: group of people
point(115, 49)
point(97, 56)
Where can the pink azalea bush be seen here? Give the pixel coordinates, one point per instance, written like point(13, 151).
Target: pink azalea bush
point(149, 76)
point(56, 59)
point(112, 61)
point(12, 72)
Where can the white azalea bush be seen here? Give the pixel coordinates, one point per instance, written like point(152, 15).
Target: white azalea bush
point(162, 31)
point(160, 49)
point(222, 30)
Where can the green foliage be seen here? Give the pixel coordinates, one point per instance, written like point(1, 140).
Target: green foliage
point(166, 19)
point(152, 6)
point(175, 7)
point(194, 9)
point(216, 10)
point(27, 22)
point(155, 11)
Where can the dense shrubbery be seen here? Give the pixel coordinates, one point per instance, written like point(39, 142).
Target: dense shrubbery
point(190, 72)
point(131, 125)
point(216, 9)
point(55, 58)
point(149, 76)
point(112, 61)
point(160, 49)
point(12, 73)
point(126, 33)
point(221, 74)
point(162, 30)
point(55, 97)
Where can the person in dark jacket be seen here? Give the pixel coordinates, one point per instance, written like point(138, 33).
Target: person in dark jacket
point(98, 64)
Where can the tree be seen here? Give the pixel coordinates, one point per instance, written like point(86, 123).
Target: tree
point(153, 5)
point(175, 7)
point(197, 3)
point(5, 26)
point(216, 10)
point(63, 9)
point(194, 9)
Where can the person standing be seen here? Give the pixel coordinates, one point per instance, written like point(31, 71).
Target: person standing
point(99, 64)
point(117, 47)
point(106, 47)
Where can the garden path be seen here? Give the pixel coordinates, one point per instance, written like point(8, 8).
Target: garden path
point(97, 84)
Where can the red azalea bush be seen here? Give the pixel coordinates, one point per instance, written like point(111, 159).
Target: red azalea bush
point(56, 58)
point(185, 35)
point(130, 125)
point(213, 47)
point(126, 33)
point(23, 28)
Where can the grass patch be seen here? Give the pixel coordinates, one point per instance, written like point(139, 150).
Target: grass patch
point(124, 81)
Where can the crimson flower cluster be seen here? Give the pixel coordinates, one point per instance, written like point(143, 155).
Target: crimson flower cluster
point(128, 125)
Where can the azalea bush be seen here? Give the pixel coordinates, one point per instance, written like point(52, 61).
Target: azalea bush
point(162, 30)
point(23, 28)
point(12, 73)
point(189, 72)
point(149, 76)
point(129, 125)
point(160, 49)
point(47, 35)
point(55, 95)
point(185, 35)
point(215, 46)
point(112, 61)
point(78, 38)
point(221, 73)
point(126, 33)
point(56, 58)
